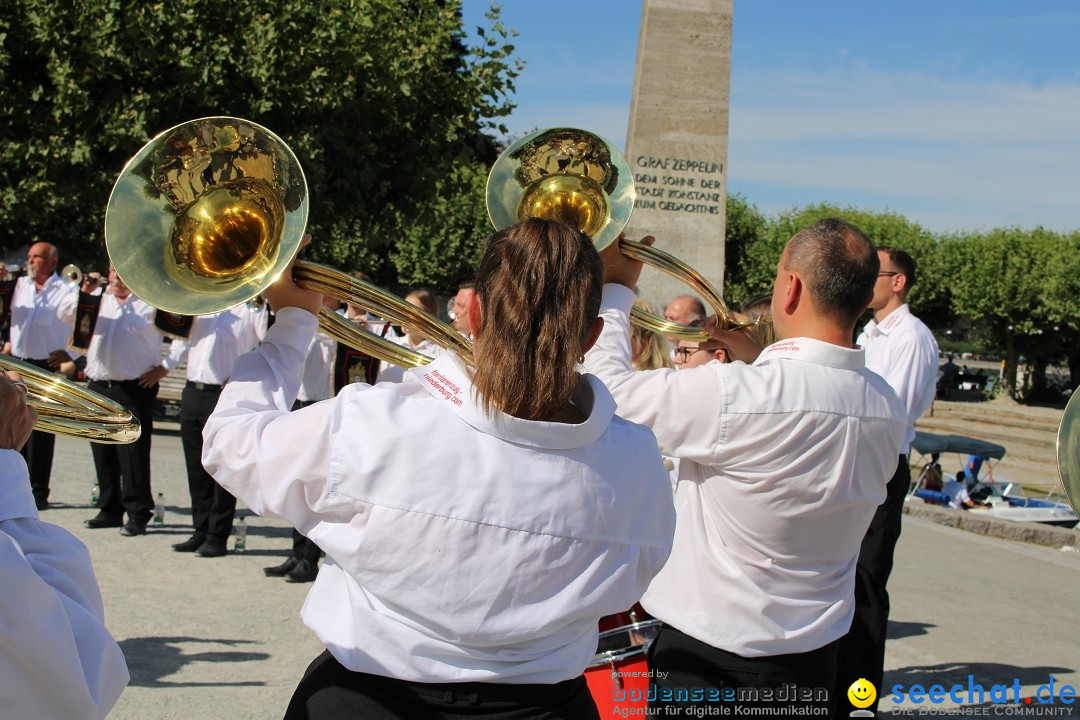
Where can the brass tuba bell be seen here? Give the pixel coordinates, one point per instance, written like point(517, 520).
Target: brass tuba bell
point(580, 178)
point(210, 212)
point(1068, 451)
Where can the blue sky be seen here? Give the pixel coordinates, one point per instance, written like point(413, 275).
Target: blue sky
point(958, 114)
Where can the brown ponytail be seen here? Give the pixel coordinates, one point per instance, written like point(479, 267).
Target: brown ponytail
point(539, 286)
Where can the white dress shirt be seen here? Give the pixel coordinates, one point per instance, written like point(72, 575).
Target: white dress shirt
point(902, 350)
point(125, 343)
point(57, 659)
point(460, 546)
point(41, 322)
point(781, 465)
point(317, 382)
point(957, 493)
point(216, 341)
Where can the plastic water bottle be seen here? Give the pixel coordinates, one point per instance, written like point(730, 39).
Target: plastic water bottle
point(159, 511)
point(241, 535)
point(95, 494)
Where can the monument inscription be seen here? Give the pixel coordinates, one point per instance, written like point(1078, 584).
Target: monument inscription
point(677, 139)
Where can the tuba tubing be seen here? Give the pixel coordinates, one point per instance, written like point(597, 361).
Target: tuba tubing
point(66, 408)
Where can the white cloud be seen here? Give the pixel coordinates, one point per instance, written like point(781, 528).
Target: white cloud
point(981, 154)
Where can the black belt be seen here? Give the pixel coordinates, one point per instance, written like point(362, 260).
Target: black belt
point(43, 362)
point(113, 383)
point(203, 386)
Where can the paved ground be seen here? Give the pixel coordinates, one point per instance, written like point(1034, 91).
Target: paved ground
point(214, 638)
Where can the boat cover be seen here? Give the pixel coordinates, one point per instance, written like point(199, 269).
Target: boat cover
point(933, 444)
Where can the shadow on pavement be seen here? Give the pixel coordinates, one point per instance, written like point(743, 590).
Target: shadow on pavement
point(898, 630)
point(150, 659)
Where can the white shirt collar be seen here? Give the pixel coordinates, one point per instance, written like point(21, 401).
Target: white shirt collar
point(446, 378)
point(897, 316)
point(813, 351)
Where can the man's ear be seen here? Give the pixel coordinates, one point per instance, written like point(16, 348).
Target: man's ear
point(594, 334)
point(472, 309)
point(792, 293)
point(900, 284)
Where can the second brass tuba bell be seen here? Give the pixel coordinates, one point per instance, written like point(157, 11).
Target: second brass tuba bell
point(580, 178)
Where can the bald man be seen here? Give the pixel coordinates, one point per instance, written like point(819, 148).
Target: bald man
point(685, 310)
point(42, 318)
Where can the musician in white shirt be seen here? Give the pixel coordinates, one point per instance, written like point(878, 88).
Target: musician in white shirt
point(782, 463)
point(211, 350)
point(42, 317)
point(901, 349)
point(477, 522)
point(123, 363)
point(57, 659)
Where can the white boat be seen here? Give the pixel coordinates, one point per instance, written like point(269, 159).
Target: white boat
point(978, 457)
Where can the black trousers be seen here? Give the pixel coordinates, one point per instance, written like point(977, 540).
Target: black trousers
point(862, 650)
point(123, 471)
point(212, 506)
point(330, 691)
point(38, 451)
point(683, 664)
point(304, 549)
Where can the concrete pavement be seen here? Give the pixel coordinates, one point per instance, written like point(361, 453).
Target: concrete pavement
point(214, 638)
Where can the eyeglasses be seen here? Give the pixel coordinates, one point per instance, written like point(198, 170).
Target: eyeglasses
point(682, 354)
point(888, 273)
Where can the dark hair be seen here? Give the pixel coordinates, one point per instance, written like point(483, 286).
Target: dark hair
point(905, 264)
point(427, 300)
point(839, 265)
point(539, 285)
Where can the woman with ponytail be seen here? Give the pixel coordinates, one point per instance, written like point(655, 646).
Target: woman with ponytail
point(477, 521)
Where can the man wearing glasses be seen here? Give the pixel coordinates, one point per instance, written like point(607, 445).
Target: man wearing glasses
point(901, 349)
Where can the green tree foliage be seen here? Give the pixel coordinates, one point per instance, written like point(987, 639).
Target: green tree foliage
point(1009, 282)
point(380, 100)
point(745, 230)
point(442, 244)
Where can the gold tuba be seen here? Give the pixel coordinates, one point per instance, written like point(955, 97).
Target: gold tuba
point(66, 408)
point(210, 212)
point(578, 177)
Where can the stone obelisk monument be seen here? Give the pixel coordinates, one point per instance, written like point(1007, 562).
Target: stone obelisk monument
point(677, 139)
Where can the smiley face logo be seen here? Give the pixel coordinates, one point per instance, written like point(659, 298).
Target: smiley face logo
point(862, 693)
